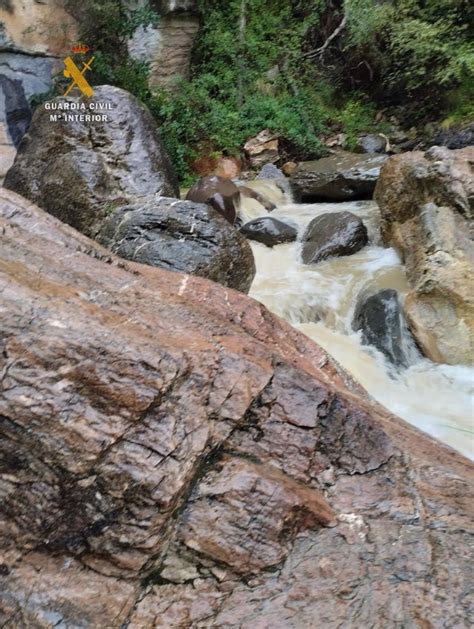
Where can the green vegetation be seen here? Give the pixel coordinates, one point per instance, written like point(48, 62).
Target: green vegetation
point(303, 68)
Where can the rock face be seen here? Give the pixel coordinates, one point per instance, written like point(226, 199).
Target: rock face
point(340, 177)
point(455, 138)
point(427, 206)
point(33, 37)
point(262, 149)
point(269, 231)
point(172, 455)
point(381, 321)
point(333, 234)
point(79, 171)
point(220, 193)
point(167, 47)
point(180, 236)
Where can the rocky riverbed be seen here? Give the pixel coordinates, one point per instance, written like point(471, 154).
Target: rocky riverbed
point(175, 455)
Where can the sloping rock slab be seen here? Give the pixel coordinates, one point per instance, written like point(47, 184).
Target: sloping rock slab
point(80, 170)
point(135, 403)
point(180, 236)
point(340, 177)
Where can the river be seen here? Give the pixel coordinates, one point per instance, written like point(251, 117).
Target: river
point(320, 300)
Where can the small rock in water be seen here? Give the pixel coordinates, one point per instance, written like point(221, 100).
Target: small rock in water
point(334, 234)
point(221, 194)
point(269, 231)
point(381, 321)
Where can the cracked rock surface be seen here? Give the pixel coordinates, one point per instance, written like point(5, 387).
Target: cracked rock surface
point(172, 455)
point(427, 206)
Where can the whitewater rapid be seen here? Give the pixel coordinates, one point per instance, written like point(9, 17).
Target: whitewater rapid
point(320, 301)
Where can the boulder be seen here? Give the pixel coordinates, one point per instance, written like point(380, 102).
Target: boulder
point(180, 236)
point(253, 194)
point(173, 455)
point(269, 231)
point(455, 138)
point(220, 193)
point(222, 166)
point(270, 171)
point(262, 149)
point(289, 168)
point(380, 320)
point(333, 234)
point(340, 177)
point(372, 143)
point(427, 206)
point(80, 170)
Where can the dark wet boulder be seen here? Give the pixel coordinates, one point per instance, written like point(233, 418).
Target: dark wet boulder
point(380, 319)
point(79, 169)
point(340, 177)
point(221, 194)
point(269, 231)
point(253, 194)
point(180, 236)
point(334, 234)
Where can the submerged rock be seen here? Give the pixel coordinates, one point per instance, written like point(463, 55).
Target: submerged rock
point(340, 177)
point(173, 454)
point(333, 234)
point(79, 170)
point(381, 321)
point(180, 236)
point(220, 193)
point(427, 206)
point(269, 231)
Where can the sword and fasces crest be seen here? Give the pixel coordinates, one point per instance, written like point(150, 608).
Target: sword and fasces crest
point(71, 71)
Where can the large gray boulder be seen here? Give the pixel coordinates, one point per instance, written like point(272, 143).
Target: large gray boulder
point(79, 170)
point(340, 177)
point(180, 236)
